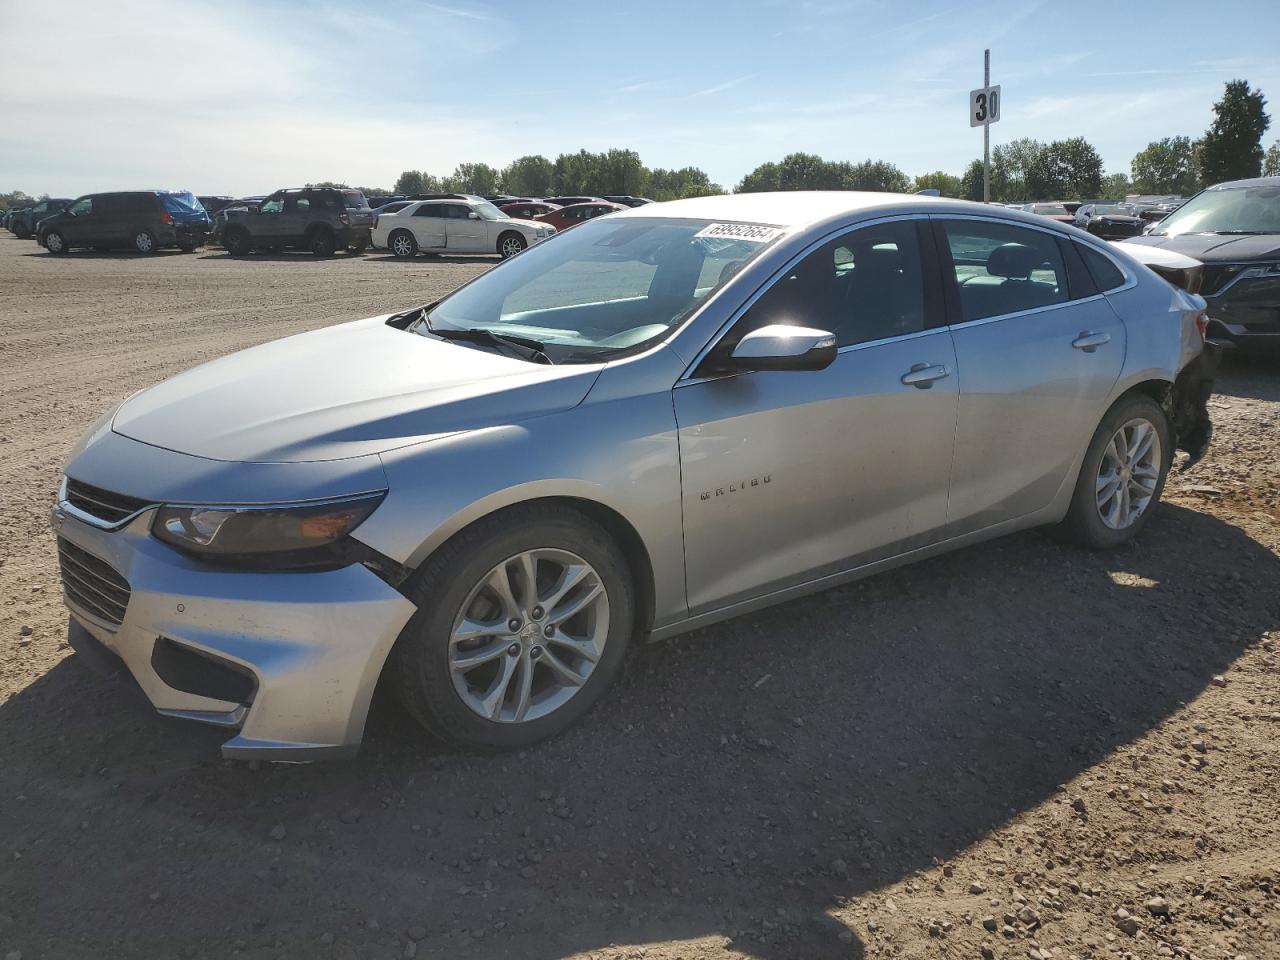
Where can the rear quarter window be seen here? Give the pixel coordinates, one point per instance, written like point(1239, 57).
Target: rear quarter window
point(1105, 273)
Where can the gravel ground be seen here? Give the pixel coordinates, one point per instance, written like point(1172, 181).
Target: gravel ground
point(1018, 750)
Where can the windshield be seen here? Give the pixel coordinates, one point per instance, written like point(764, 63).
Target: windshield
point(1049, 209)
point(181, 202)
point(1110, 210)
point(1235, 210)
point(353, 199)
point(607, 285)
point(488, 211)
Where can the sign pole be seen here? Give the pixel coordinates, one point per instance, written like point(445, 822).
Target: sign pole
point(986, 133)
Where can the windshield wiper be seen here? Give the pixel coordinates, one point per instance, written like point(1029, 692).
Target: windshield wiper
point(524, 347)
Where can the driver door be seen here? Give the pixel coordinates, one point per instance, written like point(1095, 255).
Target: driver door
point(464, 234)
point(268, 223)
point(789, 476)
point(84, 226)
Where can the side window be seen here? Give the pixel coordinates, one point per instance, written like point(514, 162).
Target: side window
point(81, 208)
point(1105, 273)
point(429, 210)
point(1001, 268)
point(272, 204)
point(866, 285)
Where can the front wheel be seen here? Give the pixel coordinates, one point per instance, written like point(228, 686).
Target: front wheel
point(509, 244)
point(235, 240)
point(522, 624)
point(54, 242)
point(1122, 476)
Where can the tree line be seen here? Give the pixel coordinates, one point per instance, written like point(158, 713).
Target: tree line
point(1023, 169)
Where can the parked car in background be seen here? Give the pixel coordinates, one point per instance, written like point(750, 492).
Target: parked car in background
point(576, 213)
point(1072, 206)
point(24, 225)
point(213, 204)
point(15, 215)
point(319, 219)
point(1053, 211)
point(628, 201)
point(1110, 221)
point(142, 220)
point(656, 422)
point(1234, 230)
point(376, 202)
point(528, 209)
point(455, 226)
point(392, 207)
point(569, 201)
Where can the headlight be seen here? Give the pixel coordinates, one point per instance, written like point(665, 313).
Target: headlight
point(285, 535)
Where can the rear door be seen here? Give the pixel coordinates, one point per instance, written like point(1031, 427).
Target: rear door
point(427, 224)
point(1038, 352)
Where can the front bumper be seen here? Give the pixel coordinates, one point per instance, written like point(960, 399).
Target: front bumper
point(1245, 313)
point(312, 645)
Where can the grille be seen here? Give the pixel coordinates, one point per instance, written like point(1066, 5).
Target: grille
point(92, 584)
point(110, 508)
point(1217, 275)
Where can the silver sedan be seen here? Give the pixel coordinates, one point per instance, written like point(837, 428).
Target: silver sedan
point(658, 420)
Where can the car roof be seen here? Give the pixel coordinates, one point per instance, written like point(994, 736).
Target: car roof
point(1251, 182)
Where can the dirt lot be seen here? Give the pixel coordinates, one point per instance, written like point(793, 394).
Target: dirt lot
point(989, 754)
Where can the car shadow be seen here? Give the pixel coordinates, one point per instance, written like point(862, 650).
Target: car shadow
point(122, 254)
point(381, 256)
point(739, 782)
point(217, 253)
point(1253, 376)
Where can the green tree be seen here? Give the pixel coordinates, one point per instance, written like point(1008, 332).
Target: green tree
point(971, 182)
point(528, 176)
point(1115, 186)
point(763, 179)
point(1271, 163)
point(678, 184)
point(1165, 166)
point(409, 183)
point(473, 178)
point(1065, 170)
point(1009, 165)
point(876, 175)
point(1231, 148)
point(574, 173)
point(946, 184)
point(15, 199)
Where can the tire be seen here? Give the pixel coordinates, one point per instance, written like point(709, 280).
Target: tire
point(320, 242)
point(402, 244)
point(358, 248)
point(1137, 481)
point(511, 243)
point(421, 665)
point(235, 240)
point(21, 232)
point(144, 241)
point(55, 242)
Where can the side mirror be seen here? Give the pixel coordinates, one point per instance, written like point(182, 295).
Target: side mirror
point(473, 215)
point(781, 346)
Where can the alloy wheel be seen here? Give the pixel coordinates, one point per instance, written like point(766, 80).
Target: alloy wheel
point(401, 245)
point(1129, 473)
point(53, 243)
point(528, 636)
point(143, 242)
point(511, 246)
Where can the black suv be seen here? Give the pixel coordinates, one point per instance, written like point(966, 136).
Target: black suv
point(319, 219)
point(24, 224)
point(143, 220)
point(1234, 230)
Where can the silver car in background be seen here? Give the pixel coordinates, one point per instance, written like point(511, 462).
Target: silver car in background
point(655, 421)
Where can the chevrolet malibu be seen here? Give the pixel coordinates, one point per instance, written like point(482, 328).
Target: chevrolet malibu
point(661, 419)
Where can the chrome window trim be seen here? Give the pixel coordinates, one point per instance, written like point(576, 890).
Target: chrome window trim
point(688, 376)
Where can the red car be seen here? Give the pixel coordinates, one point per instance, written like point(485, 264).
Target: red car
point(528, 209)
point(569, 216)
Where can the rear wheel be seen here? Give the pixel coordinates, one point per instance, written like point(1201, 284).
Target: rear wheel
point(522, 624)
point(1122, 476)
point(320, 242)
point(235, 240)
point(55, 242)
point(402, 244)
point(511, 243)
point(144, 241)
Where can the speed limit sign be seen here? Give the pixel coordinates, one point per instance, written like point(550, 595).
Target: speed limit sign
point(984, 106)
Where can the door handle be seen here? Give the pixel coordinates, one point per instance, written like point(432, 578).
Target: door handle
point(923, 375)
point(1089, 341)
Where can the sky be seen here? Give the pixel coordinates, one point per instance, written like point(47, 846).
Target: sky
point(245, 96)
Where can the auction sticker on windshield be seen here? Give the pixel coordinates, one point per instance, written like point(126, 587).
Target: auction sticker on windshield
point(751, 232)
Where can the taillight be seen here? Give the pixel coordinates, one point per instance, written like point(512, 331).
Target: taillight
point(1202, 324)
point(165, 218)
point(344, 218)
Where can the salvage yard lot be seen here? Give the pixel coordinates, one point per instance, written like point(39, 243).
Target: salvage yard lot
point(997, 749)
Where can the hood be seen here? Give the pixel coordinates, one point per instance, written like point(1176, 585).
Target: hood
point(344, 391)
point(1218, 248)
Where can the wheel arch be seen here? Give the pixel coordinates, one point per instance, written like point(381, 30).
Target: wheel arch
point(623, 532)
